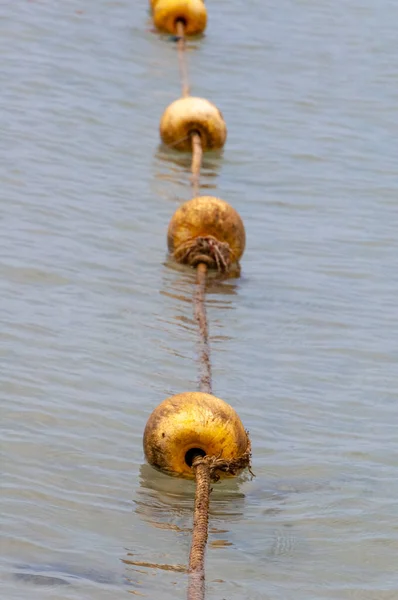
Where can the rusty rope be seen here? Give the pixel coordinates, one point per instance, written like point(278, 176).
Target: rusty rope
point(207, 469)
point(200, 316)
point(196, 582)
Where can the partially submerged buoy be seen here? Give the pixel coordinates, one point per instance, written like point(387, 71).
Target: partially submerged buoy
point(190, 115)
point(209, 230)
point(192, 13)
point(194, 424)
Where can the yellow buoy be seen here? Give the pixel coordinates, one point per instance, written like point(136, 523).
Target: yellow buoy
point(186, 116)
point(192, 424)
point(209, 230)
point(192, 13)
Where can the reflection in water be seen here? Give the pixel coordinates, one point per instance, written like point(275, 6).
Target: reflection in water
point(216, 281)
point(149, 565)
point(179, 287)
point(163, 497)
point(175, 168)
point(166, 503)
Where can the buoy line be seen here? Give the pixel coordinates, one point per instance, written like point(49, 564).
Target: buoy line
point(196, 435)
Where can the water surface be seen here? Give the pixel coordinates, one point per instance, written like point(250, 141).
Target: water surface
point(97, 327)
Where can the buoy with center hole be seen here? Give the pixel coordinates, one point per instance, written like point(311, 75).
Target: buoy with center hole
point(186, 116)
point(191, 424)
point(209, 230)
point(192, 13)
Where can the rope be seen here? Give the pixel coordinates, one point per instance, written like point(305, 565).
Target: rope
point(181, 46)
point(202, 466)
point(205, 249)
point(207, 469)
point(197, 150)
point(200, 316)
point(197, 153)
point(196, 582)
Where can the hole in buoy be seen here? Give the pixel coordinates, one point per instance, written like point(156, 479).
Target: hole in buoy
point(180, 20)
point(192, 454)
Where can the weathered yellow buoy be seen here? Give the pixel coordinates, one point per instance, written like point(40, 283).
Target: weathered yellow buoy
point(192, 424)
point(209, 230)
point(186, 116)
point(192, 13)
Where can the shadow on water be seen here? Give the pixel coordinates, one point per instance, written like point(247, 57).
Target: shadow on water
point(62, 574)
point(39, 580)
